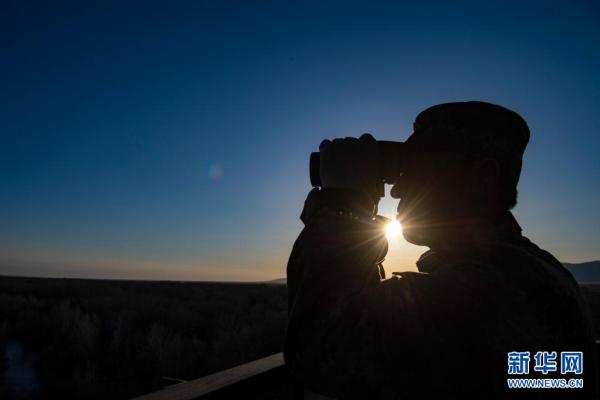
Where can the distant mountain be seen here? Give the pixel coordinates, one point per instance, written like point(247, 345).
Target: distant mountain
point(279, 281)
point(586, 272)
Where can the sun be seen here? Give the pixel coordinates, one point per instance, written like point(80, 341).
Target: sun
point(393, 229)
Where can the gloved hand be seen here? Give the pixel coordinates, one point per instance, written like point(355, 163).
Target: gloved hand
point(351, 163)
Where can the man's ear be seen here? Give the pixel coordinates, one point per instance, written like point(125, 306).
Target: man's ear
point(487, 176)
point(483, 185)
point(489, 169)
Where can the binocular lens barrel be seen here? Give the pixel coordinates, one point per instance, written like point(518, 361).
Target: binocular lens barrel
point(390, 163)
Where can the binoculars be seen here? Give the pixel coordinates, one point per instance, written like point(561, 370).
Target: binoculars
point(391, 155)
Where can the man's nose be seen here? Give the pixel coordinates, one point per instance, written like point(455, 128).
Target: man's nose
point(395, 192)
point(399, 188)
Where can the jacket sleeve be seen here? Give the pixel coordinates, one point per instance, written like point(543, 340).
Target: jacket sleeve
point(343, 318)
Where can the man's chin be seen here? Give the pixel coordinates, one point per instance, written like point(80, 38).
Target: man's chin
point(414, 235)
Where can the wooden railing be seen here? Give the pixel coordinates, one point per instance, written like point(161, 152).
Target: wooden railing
point(266, 378)
point(261, 379)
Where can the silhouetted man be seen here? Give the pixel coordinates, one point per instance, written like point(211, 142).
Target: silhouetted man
point(485, 301)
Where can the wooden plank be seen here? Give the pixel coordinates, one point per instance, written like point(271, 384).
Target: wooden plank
point(199, 387)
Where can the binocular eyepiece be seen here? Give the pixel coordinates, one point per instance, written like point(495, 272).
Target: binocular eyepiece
point(390, 163)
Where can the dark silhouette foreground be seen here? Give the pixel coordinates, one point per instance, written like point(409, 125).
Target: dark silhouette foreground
point(482, 290)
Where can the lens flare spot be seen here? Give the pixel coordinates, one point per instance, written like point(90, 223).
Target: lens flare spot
point(215, 171)
point(393, 229)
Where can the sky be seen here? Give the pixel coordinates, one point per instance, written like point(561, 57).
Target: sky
point(170, 140)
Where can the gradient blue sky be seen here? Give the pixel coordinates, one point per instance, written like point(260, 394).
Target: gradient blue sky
point(170, 140)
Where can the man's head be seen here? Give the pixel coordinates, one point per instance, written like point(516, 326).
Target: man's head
point(463, 166)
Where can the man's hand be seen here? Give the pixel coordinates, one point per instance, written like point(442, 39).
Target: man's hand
point(351, 163)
